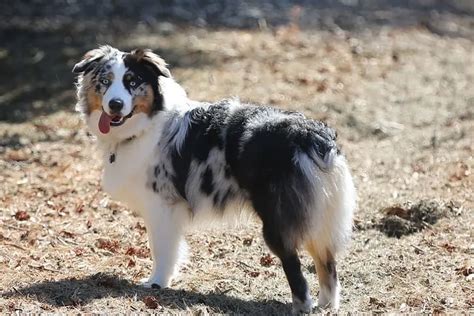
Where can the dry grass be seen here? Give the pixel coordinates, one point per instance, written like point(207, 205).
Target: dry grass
point(402, 102)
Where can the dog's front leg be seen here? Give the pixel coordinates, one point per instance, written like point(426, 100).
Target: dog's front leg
point(165, 237)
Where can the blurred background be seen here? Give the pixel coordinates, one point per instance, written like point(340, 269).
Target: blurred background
point(40, 40)
point(394, 78)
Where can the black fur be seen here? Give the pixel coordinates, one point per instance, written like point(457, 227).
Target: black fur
point(204, 134)
point(207, 185)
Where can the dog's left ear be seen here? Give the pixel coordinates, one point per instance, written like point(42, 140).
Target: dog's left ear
point(153, 60)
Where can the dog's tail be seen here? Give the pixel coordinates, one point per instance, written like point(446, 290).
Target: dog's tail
point(332, 197)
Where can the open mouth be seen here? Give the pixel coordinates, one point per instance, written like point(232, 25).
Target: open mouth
point(106, 120)
point(118, 120)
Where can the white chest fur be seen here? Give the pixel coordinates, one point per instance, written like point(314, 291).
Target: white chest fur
point(126, 175)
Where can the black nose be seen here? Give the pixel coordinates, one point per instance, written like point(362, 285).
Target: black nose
point(115, 105)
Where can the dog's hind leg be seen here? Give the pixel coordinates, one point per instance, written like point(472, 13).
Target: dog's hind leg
point(325, 264)
point(302, 302)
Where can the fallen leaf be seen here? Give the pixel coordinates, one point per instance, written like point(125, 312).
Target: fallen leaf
point(465, 270)
point(254, 274)
point(449, 247)
point(151, 302)
point(79, 251)
point(266, 260)
point(80, 208)
point(141, 252)
point(110, 245)
point(22, 216)
point(11, 307)
point(66, 234)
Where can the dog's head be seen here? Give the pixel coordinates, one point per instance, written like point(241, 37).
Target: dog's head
point(120, 92)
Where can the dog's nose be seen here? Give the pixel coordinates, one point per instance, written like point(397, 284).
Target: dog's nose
point(115, 105)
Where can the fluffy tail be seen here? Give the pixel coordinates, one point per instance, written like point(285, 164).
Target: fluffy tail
point(333, 198)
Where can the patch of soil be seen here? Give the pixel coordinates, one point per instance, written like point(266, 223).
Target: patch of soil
point(409, 218)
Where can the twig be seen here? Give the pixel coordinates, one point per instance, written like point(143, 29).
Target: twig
point(42, 267)
point(14, 245)
point(18, 291)
point(65, 241)
point(248, 266)
point(418, 249)
point(14, 227)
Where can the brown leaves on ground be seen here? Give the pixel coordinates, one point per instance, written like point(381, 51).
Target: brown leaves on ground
point(140, 252)
point(78, 251)
point(110, 245)
point(22, 215)
point(151, 302)
point(267, 260)
point(254, 274)
point(465, 270)
point(67, 234)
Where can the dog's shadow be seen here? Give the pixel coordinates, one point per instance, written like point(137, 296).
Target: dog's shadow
point(80, 292)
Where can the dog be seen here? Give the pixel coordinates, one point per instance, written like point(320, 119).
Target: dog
point(177, 162)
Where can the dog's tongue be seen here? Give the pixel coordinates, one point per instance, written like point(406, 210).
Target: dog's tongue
point(104, 123)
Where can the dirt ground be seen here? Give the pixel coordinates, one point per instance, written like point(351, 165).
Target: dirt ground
point(400, 96)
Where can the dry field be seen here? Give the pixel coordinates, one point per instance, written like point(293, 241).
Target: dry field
point(401, 99)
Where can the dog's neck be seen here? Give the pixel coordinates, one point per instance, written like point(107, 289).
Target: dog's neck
point(111, 147)
point(115, 147)
point(175, 101)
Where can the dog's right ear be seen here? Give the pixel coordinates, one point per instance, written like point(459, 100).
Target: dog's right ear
point(89, 61)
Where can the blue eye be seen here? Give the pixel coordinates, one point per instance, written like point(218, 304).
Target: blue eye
point(104, 81)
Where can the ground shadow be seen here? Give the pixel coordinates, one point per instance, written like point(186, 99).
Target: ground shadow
point(79, 292)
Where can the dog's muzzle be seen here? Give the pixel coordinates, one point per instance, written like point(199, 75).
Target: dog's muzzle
point(107, 120)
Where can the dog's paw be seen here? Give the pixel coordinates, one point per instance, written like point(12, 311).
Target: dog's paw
point(329, 299)
point(300, 307)
point(150, 284)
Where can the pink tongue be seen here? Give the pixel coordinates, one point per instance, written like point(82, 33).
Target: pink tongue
point(104, 123)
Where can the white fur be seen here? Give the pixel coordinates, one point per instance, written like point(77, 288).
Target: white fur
point(117, 89)
point(126, 181)
point(335, 199)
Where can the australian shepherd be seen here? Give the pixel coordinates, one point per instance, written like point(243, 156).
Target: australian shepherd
point(177, 162)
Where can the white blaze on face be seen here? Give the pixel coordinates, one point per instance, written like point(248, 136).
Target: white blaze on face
point(117, 89)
